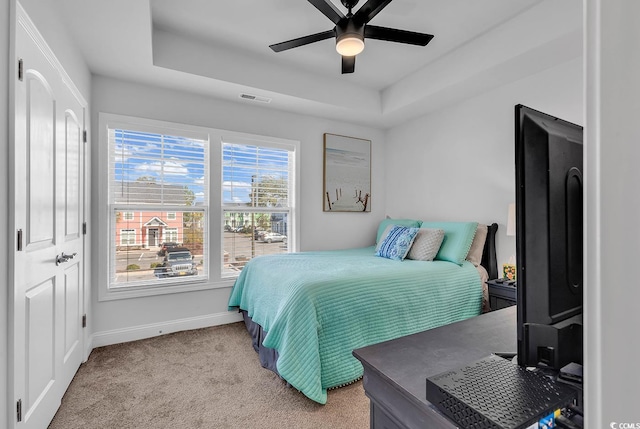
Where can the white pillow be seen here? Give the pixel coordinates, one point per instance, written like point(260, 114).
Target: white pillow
point(426, 244)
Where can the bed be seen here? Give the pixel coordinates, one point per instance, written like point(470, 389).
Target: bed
point(308, 311)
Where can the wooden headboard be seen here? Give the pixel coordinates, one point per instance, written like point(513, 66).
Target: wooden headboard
point(489, 260)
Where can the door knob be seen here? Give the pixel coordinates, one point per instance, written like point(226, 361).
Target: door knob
point(64, 258)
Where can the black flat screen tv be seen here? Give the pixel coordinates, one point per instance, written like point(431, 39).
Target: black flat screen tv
point(549, 219)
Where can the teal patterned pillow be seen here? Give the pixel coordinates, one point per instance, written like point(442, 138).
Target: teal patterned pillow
point(389, 221)
point(397, 243)
point(458, 237)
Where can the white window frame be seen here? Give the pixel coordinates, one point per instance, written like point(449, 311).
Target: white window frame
point(128, 215)
point(174, 232)
point(128, 231)
point(289, 210)
point(214, 216)
point(171, 215)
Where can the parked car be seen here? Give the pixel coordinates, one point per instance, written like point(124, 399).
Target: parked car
point(178, 261)
point(271, 237)
point(258, 233)
point(165, 246)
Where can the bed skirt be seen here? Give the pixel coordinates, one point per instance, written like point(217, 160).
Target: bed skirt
point(268, 357)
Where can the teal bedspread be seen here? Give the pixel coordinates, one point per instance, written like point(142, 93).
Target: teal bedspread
point(317, 307)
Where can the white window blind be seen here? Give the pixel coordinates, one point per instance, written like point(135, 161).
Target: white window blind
point(156, 169)
point(256, 176)
point(256, 201)
point(163, 179)
point(225, 196)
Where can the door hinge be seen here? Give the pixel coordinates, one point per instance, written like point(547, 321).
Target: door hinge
point(84, 228)
point(84, 136)
point(19, 240)
point(84, 320)
point(19, 410)
point(20, 70)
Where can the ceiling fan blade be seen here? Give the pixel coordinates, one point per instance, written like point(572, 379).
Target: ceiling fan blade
point(369, 10)
point(328, 9)
point(395, 35)
point(300, 41)
point(348, 64)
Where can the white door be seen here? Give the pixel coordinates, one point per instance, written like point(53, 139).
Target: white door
point(48, 296)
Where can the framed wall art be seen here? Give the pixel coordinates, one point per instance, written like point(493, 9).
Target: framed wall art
point(347, 174)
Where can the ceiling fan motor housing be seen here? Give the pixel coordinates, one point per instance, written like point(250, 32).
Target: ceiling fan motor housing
point(349, 37)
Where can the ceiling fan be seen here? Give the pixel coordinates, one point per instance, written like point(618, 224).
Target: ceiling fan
point(351, 30)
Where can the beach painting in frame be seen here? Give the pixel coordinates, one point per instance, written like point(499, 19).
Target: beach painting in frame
point(347, 174)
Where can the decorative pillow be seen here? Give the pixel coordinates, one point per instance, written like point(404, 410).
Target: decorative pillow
point(411, 223)
point(477, 246)
point(397, 243)
point(383, 236)
point(458, 237)
point(426, 244)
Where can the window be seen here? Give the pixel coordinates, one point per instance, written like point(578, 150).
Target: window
point(158, 189)
point(150, 172)
point(127, 237)
point(255, 201)
point(171, 235)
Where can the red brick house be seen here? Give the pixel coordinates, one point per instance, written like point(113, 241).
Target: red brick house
point(147, 229)
point(142, 229)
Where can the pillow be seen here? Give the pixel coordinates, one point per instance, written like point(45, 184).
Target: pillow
point(426, 244)
point(411, 223)
point(397, 243)
point(477, 246)
point(383, 236)
point(458, 237)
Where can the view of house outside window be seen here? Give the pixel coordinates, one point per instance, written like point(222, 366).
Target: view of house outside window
point(158, 207)
point(255, 201)
point(189, 206)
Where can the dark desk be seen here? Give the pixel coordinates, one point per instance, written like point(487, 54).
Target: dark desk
point(395, 371)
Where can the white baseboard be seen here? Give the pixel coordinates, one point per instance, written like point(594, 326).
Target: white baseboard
point(134, 333)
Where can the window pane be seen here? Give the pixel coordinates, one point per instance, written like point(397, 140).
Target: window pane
point(152, 168)
point(152, 250)
point(247, 235)
point(148, 173)
point(255, 176)
point(127, 237)
point(171, 234)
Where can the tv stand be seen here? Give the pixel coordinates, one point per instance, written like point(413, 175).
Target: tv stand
point(395, 371)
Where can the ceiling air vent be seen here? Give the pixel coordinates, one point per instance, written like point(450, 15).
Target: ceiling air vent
point(255, 98)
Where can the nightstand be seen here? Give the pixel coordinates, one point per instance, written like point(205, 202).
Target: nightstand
point(502, 293)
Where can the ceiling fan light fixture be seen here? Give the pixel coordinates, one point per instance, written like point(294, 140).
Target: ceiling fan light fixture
point(350, 33)
point(350, 45)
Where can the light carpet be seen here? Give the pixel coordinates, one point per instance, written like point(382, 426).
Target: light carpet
point(205, 378)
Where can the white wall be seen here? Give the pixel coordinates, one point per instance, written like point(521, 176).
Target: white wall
point(318, 230)
point(459, 163)
point(612, 213)
point(5, 22)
